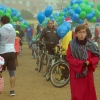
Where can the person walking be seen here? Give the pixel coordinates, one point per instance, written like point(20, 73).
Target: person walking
point(7, 50)
point(82, 56)
point(29, 34)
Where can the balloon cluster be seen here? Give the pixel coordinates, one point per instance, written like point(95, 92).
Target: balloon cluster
point(77, 10)
point(14, 15)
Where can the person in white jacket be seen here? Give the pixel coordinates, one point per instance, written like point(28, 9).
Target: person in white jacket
point(7, 50)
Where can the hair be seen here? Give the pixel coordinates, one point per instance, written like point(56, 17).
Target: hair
point(50, 20)
point(89, 35)
point(79, 27)
point(5, 19)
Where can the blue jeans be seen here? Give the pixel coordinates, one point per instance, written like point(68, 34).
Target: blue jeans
point(29, 39)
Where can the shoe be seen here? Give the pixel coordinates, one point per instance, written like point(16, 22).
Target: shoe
point(12, 93)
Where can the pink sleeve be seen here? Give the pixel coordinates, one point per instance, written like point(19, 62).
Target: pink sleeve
point(74, 63)
point(94, 61)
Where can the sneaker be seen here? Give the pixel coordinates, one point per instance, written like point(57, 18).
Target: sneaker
point(12, 93)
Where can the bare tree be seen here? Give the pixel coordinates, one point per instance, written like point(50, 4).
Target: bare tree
point(61, 4)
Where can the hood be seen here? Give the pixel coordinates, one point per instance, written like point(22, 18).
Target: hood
point(8, 27)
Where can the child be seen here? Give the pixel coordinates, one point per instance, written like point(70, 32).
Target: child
point(1, 78)
point(17, 47)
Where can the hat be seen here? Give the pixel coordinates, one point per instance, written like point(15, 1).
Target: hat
point(68, 19)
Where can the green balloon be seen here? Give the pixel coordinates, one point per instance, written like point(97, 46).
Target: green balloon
point(98, 6)
point(61, 14)
point(88, 9)
point(97, 13)
point(8, 10)
point(8, 14)
point(1, 12)
point(59, 19)
point(82, 15)
point(15, 19)
point(93, 19)
point(67, 13)
point(67, 5)
point(11, 20)
point(82, 6)
point(74, 6)
point(85, 1)
point(91, 4)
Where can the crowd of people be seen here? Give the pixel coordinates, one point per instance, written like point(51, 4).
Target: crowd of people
point(79, 47)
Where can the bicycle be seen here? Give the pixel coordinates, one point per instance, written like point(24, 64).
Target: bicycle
point(60, 70)
point(44, 58)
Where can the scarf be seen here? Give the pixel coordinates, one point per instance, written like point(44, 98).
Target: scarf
point(79, 51)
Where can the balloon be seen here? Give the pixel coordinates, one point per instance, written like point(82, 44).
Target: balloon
point(67, 24)
point(82, 15)
point(85, 1)
point(91, 4)
point(98, 6)
point(48, 11)
point(97, 13)
point(89, 16)
point(82, 6)
point(79, 1)
point(71, 12)
point(15, 18)
point(75, 1)
point(93, 19)
point(8, 10)
point(74, 6)
point(1, 12)
point(76, 16)
point(61, 14)
point(11, 20)
point(93, 13)
point(77, 10)
point(62, 30)
point(81, 21)
point(8, 14)
point(67, 13)
point(40, 17)
point(88, 9)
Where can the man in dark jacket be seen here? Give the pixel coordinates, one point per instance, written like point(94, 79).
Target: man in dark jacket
point(50, 35)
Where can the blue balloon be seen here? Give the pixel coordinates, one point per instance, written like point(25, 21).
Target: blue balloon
point(65, 10)
point(69, 7)
point(62, 30)
point(77, 10)
point(89, 16)
point(40, 17)
point(71, 12)
point(48, 11)
point(75, 1)
point(67, 24)
point(21, 19)
point(79, 1)
point(76, 16)
point(81, 21)
point(93, 13)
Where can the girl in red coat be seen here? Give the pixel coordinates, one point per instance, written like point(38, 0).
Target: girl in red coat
point(82, 56)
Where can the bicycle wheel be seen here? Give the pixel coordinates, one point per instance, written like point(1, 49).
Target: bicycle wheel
point(59, 74)
point(44, 60)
